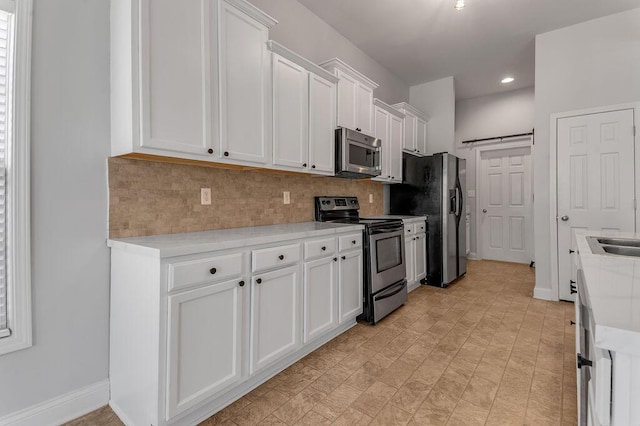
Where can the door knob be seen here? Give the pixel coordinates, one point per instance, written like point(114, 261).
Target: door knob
point(565, 218)
point(484, 210)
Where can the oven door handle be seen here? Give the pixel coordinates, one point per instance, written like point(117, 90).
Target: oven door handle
point(393, 293)
point(394, 229)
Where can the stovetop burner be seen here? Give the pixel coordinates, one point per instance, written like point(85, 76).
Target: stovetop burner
point(345, 210)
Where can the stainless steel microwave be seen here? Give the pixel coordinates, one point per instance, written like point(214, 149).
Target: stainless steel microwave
point(357, 154)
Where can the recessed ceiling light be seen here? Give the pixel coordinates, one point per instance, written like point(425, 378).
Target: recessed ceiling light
point(507, 80)
point(459, 5)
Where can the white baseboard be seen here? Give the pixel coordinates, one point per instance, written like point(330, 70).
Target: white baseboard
point(62, 408)
point(544, 294)
point(472, 256)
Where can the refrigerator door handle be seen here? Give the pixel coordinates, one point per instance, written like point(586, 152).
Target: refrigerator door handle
point(458, 202)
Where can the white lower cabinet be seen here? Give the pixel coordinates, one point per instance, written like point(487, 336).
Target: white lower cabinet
point(204, 343)
point(350, 282)
point(420, 256)
point(320, 301)
point(409, 256)
point(191, 331)
point(415, 244)
point(275, 316)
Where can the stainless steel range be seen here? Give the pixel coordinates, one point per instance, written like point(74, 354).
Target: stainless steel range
point(385, 284)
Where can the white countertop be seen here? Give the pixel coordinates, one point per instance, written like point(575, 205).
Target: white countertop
point(169, 245)
point(405, 219)
point(612, 284)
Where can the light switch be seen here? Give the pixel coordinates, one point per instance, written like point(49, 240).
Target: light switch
point(287, 197)
point(370, 198)
point(471, 193)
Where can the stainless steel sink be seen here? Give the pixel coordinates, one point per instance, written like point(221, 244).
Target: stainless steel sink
point(614, 246)
point(619, 242)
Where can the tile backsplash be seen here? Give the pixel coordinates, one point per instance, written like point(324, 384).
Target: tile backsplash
point(150, 198)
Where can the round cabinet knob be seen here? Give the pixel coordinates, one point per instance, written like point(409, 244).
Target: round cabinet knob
point(313, 166)
point(335, 259)
point(353, 241)
point(304, 164)
point(259, 281)
point(281, 257)
point(213, 271)
point(324, 248)
point(226, 153)
point(241, 283)
point(484, 210)
point(358, 129)
point(408, 230)
point(344, 257)
point(565, 218)
point(210, 151)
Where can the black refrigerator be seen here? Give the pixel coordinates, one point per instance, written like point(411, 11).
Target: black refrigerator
point(435, 186)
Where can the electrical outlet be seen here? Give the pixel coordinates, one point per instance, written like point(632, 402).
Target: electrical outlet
point(205, 196)
point(287, 197)
point(370, 198)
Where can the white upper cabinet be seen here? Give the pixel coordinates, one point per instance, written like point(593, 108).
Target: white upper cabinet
point(364, 109)
point(290, 113)
point(174, 56)
point(245, 83)
point(303, 113)
point(415, 129)
point(395, 136)
point(322, 124)
point(355, 97)
point(388, 127)
point(193, 84)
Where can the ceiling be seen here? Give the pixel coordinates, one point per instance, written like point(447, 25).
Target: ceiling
point(424, 40)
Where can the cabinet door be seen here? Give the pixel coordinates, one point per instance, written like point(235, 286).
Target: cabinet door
point(204, 342)
point(364, 109)
point(409, 256)
point(420, 256)
point(381, 131)
point(395, 148)
point(290, 113)
point(347, 88)
point(322, 124)
point(320, 298)
point(275, 316)
point(174, 84)
point(421, 136)
point(409, 141)
point(244, 87)
point(351, 285)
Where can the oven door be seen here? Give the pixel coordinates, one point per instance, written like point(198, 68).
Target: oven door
point(360, 158)
point(387, 257)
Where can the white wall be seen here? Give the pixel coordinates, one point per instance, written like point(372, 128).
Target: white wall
point(504, 113)
point(437, 99)
point(586, 65)
point(305, 33)
point(70, 267)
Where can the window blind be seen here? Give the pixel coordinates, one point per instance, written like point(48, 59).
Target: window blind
point(5, 112)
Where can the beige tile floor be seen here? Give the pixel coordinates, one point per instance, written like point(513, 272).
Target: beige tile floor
point(480, 352)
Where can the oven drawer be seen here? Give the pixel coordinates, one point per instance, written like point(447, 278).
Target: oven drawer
point(319, 248)
point(274, 257)
point(351, 241)
point(389, 299)
point(182, 274)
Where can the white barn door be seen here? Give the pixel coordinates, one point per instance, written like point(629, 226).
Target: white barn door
point(596, 182)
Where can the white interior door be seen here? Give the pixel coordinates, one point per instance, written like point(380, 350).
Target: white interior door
point(506, 207)
point(595, 181)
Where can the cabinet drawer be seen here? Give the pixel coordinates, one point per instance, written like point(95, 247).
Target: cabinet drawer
point(274, 257)
point(319, 248)
point(350, 242)
point(409, 229)
point(420, 227)
point(214, 268)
